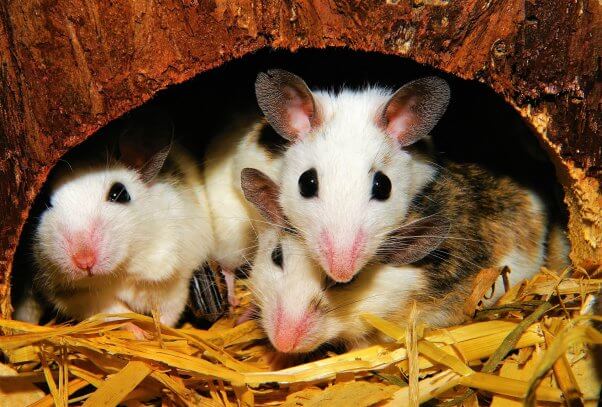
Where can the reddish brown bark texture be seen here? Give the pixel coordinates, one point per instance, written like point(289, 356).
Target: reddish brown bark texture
point(71, 66)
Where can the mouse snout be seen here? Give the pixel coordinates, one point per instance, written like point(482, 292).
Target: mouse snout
point(84, 258)
point(340, 254)
point(291, 331)
point(83, 248)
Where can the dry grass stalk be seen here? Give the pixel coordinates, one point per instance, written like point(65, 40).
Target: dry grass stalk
point(100, 362)
point(481, 285)
point(119, 385)
point(570, 335)
point(562, 370)
point(412, 356)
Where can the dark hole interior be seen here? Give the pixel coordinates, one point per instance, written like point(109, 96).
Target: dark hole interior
point(477, 127)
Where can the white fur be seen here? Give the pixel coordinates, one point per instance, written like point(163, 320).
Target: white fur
point(293, 287)
point(29, 309)
point(148, 248)
point(235, 220)
point(346, 150)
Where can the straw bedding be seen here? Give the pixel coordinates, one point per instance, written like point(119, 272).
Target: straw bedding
point(534, 347)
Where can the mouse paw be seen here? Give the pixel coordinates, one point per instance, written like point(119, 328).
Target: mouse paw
point(229, 278)
point(135, 330)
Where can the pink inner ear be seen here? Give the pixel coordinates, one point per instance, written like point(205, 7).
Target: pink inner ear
point(298, 111)
point(400, 118)
point(398, 126)
point(299, 121)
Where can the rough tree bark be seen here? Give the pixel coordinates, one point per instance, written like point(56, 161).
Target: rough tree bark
point(71, 66)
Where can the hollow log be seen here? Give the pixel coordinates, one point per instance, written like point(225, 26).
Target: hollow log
point(71, 66)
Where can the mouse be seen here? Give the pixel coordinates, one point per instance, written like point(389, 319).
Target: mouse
point(125, 225)
point(301, 309)
point(322, 147)
point(464, 220)
point(353, 163)
point(246, 141)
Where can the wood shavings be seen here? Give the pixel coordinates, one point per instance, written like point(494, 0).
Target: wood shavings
point(562, 371)
point(116, 387)
point(567, 337)
point(100, 362)
point(481, 285)
point(17, 392)
point(343, 394)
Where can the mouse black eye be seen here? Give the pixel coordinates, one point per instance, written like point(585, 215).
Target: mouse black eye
point(277, 256)
point(308, 183)
point(118, 193)
point(381, 187)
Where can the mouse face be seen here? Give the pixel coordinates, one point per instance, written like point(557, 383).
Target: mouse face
point(90, 221)
point(348, 179)
point(288, 287)
point(348, 185)
point(101, 205)
point(301, 310)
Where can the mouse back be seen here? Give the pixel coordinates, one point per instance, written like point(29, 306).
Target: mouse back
point(248, 141)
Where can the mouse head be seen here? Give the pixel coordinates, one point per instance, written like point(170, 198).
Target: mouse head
point(287, 284)
point(348, 178)
point(95, 207)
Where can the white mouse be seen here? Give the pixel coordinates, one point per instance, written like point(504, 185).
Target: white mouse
point(247, 142)
point(124, 235)
point(352, 167)
point(478, 221)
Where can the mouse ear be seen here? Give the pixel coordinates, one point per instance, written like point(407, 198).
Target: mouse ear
point(414, 110)
point(414, 241)
point(263, 193)
point(287, 103)
point(145, 143)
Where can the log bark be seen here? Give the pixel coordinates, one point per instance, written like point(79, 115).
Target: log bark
point(71, 66)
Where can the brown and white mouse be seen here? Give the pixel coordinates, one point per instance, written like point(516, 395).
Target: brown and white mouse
point(465, 219)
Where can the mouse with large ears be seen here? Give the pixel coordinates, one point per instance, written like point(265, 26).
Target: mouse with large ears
point(124, 227)
point(353, 166)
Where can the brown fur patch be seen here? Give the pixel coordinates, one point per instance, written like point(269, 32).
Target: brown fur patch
point(489, 216)
point(557, 248)
point(271, 142)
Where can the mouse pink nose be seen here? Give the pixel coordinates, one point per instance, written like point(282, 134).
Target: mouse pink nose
point(290, 332)
point(84, 258)
point(285, 339)
point(341, 260)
